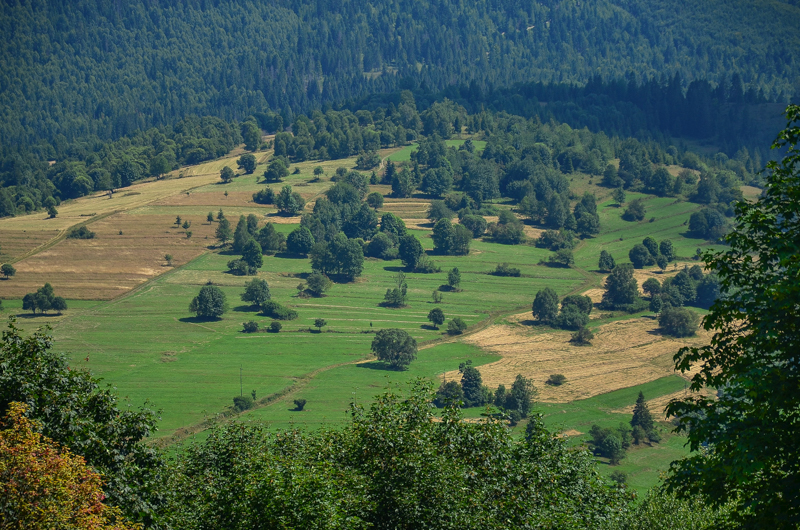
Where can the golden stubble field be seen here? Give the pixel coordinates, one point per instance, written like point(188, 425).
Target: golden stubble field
point(111, 264)
point(623, 353)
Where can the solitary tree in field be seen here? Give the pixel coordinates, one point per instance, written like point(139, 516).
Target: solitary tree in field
point(226, 174)
point(319, 323)
point(454, 278)
point(8, 270)
point(210, 217)
point(318, 283)
point(178, 220)
point(436, 316)
point(209, 303)
point(642, 416)
point(396, 347)
point(410, 250)
point(256, 291)
point(619, 196)
point(247, 162)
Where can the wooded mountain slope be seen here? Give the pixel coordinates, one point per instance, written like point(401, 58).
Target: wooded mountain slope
point(68, 69)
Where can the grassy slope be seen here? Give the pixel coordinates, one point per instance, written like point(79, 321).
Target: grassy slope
point(149, 347)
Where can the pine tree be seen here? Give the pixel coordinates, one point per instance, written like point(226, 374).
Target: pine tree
point(642, 416)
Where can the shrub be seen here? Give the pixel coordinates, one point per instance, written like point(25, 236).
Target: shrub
point(250, 327)
point(299, 404)
point(456, 326)
point(265, 196)
point(503, 269)
point(582, 337)
point(619, 477)
point(640, 256)
point(80, 233)
point(561, 258)
point(556, 380)
point(242, 403)
point(278, 312)
point(275, 326)
point(678, 321)
point(635, 211)
point(426, 265)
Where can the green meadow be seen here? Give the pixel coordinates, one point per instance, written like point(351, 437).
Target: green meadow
point(150, 347)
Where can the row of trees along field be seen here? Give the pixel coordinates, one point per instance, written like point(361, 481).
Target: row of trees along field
point(393, 466)
point(109, 70)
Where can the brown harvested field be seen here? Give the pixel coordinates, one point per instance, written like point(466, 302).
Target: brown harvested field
point(16, 243)
point(110, 264)
point(622, 354)
point(212, 199)
point(751, 193)
point(407, 208)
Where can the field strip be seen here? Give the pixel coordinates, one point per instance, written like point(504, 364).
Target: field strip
point(299, 383)
point(61, 236)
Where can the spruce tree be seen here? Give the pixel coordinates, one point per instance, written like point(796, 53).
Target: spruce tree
point(606, 262)
point(641, 416)
point(241, 235)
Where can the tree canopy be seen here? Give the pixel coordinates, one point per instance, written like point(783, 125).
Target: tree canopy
point(751, 428)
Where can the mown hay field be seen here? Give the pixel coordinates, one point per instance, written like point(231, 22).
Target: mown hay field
point(623, 353)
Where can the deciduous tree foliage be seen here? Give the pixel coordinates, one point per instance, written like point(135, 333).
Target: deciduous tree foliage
point(209, 303)
point(751, 429)
point(395, 346)
point(46, 486)
point(392, 466)
point(76, 412)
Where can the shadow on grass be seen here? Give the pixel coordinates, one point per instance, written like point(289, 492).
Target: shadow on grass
point(290, 255)
point(394, 268)
point(245, 309)
point(30, 316)
point(198, 320)
point(378, 365)
point(429, 327)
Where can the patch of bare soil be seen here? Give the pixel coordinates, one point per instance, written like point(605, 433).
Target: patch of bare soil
point(622, 354)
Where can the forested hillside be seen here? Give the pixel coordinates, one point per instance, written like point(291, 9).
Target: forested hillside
point(72, 69)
